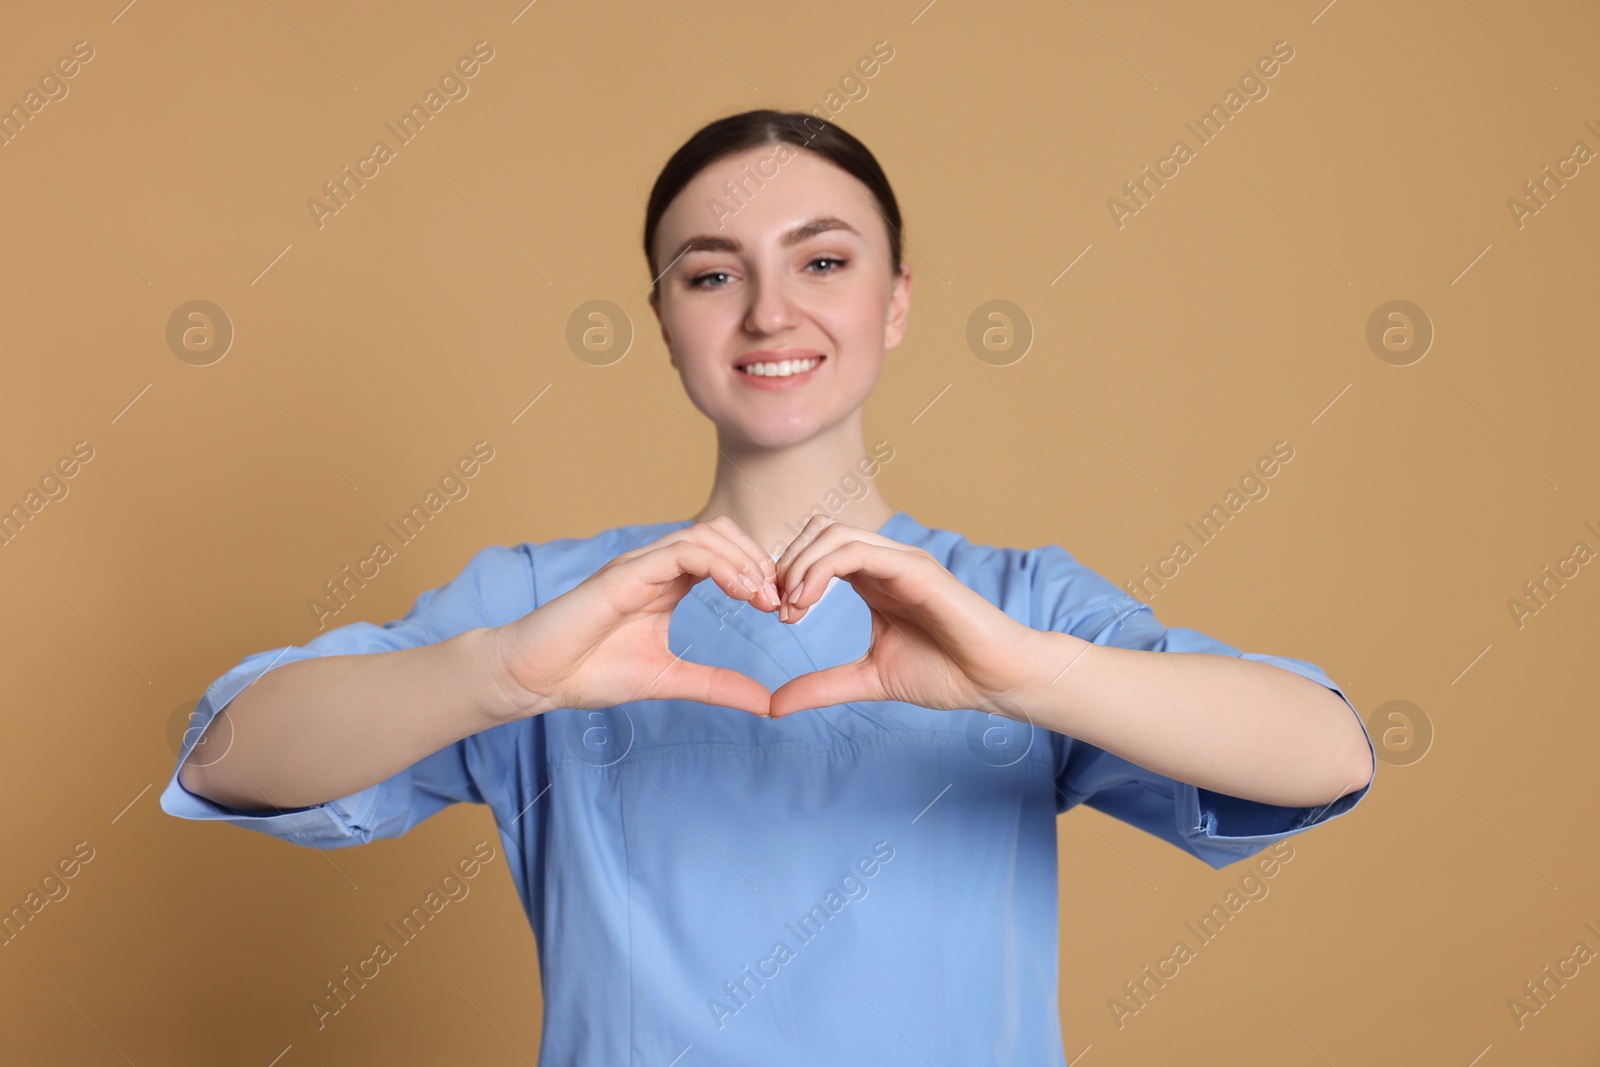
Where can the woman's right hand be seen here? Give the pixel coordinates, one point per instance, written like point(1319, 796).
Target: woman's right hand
point(604, 642)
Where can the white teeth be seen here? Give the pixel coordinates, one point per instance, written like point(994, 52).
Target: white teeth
point(781, 369)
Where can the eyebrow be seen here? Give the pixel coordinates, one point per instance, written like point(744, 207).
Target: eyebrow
point(711, 242)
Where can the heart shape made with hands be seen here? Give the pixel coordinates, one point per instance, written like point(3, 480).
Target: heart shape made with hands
point(935, 642)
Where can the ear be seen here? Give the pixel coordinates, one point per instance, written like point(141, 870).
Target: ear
point(894, 326)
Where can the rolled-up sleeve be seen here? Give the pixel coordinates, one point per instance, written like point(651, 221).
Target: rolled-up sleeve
point(1216, 827)
point(494, 588)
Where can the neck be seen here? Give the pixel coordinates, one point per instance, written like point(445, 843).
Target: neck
point(773, 492)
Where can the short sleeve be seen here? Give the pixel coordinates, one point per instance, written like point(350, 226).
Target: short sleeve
point(494, 588)
point(1216, 827)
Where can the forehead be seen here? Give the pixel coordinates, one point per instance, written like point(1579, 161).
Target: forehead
point(772, 197)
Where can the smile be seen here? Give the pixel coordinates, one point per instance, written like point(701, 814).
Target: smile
point(785, 368)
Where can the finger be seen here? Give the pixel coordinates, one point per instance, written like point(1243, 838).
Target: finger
point(723, 535)
point(709, 535)
point(705, 535)
point(735, 533)
point(808, 533)
point(642, 577)
point(725, 527)
point(839, 554)
point(819, 689)
point(710, 685)
point(824, 538)
point(819, 536)
point(901, 582)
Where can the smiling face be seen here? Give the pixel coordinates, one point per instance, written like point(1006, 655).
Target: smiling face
point(796, 282)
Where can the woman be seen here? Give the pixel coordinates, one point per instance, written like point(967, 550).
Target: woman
point(776, 814)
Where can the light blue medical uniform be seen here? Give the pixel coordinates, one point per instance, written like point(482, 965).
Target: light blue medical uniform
point(863, 883)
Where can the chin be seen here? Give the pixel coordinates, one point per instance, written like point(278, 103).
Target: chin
point(747, 419)
point(769, 436)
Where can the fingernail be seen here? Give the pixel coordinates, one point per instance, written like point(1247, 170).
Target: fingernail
point(770, 567)
point(794, 594)
point(749, 583)
point(772, 592)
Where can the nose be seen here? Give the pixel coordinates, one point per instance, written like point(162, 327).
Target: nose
point(771, 310)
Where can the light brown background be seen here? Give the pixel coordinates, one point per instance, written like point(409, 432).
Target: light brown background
point(1227, 315)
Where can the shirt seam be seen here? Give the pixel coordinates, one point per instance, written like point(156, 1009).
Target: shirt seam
point(533, 581)
point(627, 862)
point(884, 737)
point(703, 599)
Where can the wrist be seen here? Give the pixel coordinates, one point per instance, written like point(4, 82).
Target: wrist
point(504, 698)
point(1052, 657)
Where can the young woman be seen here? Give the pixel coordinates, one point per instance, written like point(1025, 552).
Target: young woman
point(803, 812)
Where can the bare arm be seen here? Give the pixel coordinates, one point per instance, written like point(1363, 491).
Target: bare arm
point(317, 729)
point(1225, 723)
point(1249, 729)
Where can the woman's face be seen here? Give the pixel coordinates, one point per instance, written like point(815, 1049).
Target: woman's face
point(799, 274)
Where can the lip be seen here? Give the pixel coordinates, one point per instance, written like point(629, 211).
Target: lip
point(778, 385)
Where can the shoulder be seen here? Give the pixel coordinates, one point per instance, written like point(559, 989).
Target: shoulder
point(493, 588)
point(1045, 586)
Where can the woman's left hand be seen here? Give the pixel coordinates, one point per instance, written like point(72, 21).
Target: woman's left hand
point(935, 642)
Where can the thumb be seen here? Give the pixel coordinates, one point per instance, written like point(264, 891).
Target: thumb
point(819, 689)
point(710, 685)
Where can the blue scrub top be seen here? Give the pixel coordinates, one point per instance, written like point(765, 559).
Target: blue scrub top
point(862, 883)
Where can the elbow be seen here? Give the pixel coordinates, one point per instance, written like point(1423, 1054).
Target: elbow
point(192, 778)
point(1359, 770)
point(1350, 781)
point(1365, 767)
point(1359, 761)
point(1358, 779)
point(205, 783)
point(1365, 770)
point(1348, 770)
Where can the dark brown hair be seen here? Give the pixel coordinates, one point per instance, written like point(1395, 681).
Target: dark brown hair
point(752, 129)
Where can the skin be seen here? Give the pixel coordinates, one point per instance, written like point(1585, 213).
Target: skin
point(1236, 726)
point(321, 728)
point(834, 292)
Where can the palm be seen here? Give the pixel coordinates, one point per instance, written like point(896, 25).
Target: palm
point(628, 658)
point(633, 661)
point(908, 665)
point(604, 642)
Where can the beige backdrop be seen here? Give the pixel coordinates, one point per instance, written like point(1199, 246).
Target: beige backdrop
point(1169, 344)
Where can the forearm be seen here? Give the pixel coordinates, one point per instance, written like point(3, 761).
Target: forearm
point(1231, 725)
point(317, 729)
